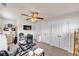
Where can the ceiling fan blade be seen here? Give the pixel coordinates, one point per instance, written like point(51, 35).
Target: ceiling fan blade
point(25, 15)
point(34, 12)
point(40, 18)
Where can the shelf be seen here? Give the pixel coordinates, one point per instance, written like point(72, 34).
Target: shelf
point(76, 43)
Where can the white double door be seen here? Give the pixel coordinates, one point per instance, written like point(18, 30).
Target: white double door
point(55, 34)
point(60, 36)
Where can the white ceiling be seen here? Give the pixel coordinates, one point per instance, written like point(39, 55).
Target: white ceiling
point(47, 10)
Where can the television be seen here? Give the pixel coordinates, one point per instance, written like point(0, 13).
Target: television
point(27, 27)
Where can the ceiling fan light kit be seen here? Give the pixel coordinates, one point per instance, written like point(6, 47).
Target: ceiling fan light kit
point(34, 17)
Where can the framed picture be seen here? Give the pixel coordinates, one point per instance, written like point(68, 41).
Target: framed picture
point(6, 29)
point(13, 29)
point(27, 27)
point(9, 25)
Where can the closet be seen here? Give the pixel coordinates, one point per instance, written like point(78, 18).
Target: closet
point(56, 34)
point(60, 36)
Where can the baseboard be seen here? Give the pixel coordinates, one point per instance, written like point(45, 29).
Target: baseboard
point(56, 46)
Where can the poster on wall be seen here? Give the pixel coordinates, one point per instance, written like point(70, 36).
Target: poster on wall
point(9, 25)
point(13, 29)
point(6, 29)
point(27, 27)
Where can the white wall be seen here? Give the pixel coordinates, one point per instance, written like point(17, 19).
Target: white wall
point(11, 15)
point(59, 31)
point(3, 39)
point(3, 42)
point(19, 25)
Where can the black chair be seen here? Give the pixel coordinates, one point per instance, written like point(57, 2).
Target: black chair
point(25, 46)
point(29, 39)
point(3, 53)
point(21, 36)
point(28, 44)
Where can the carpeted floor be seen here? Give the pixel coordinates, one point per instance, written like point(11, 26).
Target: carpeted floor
point(52, 50)
point(48, 49)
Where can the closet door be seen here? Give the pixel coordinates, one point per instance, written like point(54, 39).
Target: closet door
point(45, 29)
point(60, 35)
point(55, 34)
point(63, 36)
point(55, 31)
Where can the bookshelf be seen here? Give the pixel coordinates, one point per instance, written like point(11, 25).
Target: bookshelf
point(76, 43)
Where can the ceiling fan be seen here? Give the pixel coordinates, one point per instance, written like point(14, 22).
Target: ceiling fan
point(33, 17)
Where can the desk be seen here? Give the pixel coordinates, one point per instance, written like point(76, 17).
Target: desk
point(39, 52)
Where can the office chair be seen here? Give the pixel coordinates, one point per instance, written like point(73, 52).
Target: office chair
point(3, 53)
